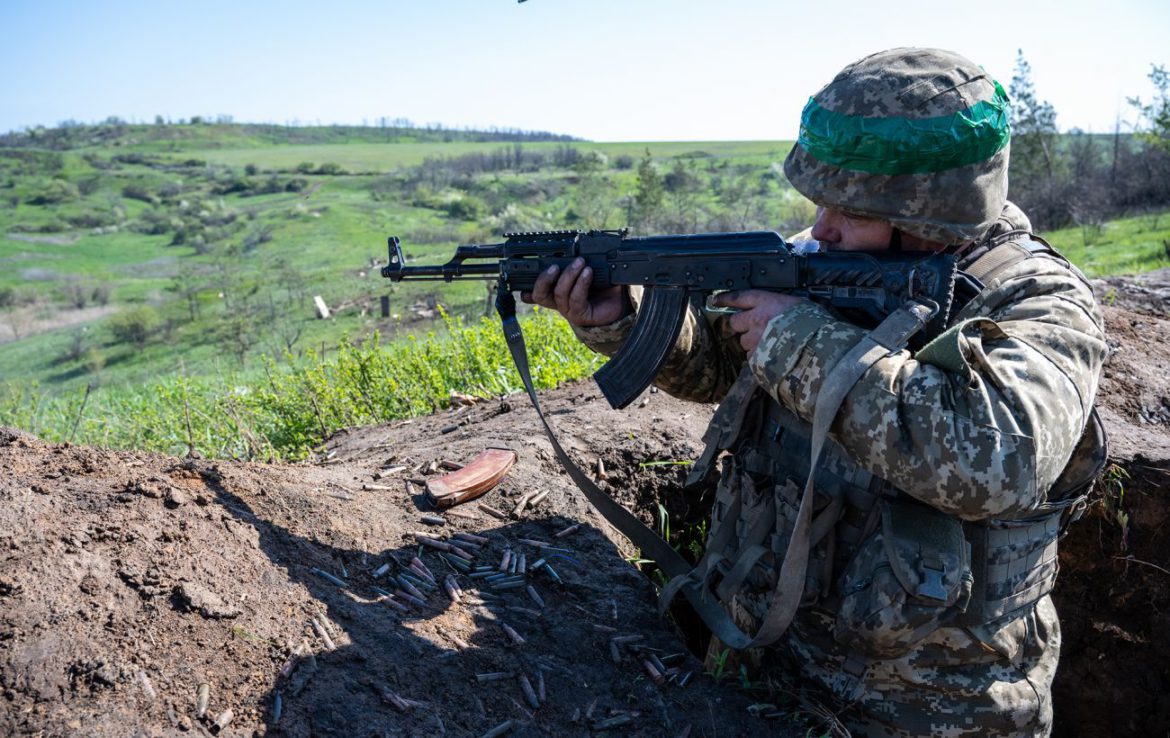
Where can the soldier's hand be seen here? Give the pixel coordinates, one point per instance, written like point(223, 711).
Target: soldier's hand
point(568, 293)
point(756, 309)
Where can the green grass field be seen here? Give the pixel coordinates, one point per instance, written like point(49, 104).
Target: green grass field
point(1122, 246)
point(149, 269)
point(374, 157)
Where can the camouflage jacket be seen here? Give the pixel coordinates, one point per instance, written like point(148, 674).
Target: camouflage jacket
point(978, 424)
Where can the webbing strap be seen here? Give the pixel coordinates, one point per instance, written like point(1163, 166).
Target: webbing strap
point(651, 544)
point(891, 335)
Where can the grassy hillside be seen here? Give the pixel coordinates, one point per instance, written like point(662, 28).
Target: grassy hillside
point(151, 271)
point(207, 255)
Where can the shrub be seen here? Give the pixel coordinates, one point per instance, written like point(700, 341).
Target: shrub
point(464, 208)
point(54, 192)
point(625, 161)
point(139, 192)
point(136, 326)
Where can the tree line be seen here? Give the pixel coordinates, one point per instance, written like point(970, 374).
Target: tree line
point(1080, 178)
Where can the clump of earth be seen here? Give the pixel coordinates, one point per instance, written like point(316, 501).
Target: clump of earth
point(160, 596)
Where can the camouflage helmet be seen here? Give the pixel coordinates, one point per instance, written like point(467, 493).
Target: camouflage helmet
point(915, 137)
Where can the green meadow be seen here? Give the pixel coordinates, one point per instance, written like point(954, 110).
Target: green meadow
point(157, 283)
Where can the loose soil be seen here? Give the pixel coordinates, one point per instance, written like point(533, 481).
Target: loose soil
point(128, 580)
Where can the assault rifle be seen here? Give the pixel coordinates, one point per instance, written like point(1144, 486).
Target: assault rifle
point(863, 287)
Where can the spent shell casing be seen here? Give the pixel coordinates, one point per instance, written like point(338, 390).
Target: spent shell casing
point(330, 577)
point(628, 638)
point(615, 653)
point(498, 514)
point(540, 685)
point(381, 570)
point(568, 531)
point(409, 598)
point(661, 667)
point(529, 692)
point(535, 596)
point(452, 588)
point(461, 553)
point(417, 562)
point(655, 675)
point(224, 719)
point(288, 666)
point(461, 564)
point(537, 564)
point(202, 697)
point(432, 542)
point(613, 722)
point(499, 730)
point(493, 676)
point(686, 677)
point(504, 586)
point(410, 587)
point(277, 708)
point(553, 573)
point(512, 634)
point(464, 535)
point(433, 519)
point(422, 577)
point(521, 504)
point(324, 634)
point(505, 559)
point(458, 641)
point(538, 498)
point(522, 564)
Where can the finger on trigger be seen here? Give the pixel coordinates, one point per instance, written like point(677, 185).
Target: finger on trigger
point(724, 299)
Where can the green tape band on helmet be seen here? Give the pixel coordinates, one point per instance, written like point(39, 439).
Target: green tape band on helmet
point(906, 145)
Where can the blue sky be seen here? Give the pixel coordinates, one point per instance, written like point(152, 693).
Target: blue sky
point(608, 70)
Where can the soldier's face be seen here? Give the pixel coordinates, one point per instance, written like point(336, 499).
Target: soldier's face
point(839, 230)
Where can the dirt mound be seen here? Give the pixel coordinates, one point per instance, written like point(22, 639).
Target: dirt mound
point(129, 580)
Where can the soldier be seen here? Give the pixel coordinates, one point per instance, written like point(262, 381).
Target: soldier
point(923, 550)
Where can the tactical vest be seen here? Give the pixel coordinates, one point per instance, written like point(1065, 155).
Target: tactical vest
point(889, 569)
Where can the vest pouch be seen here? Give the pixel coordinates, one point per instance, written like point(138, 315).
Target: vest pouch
point(910, 577)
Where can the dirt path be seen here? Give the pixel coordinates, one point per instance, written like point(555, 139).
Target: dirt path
point(129, 580)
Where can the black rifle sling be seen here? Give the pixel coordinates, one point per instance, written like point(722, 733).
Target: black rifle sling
point(890, 336)
point(651, 544)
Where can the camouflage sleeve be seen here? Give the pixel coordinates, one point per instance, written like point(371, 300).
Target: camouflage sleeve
point(981, 421)
point(704, 362)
